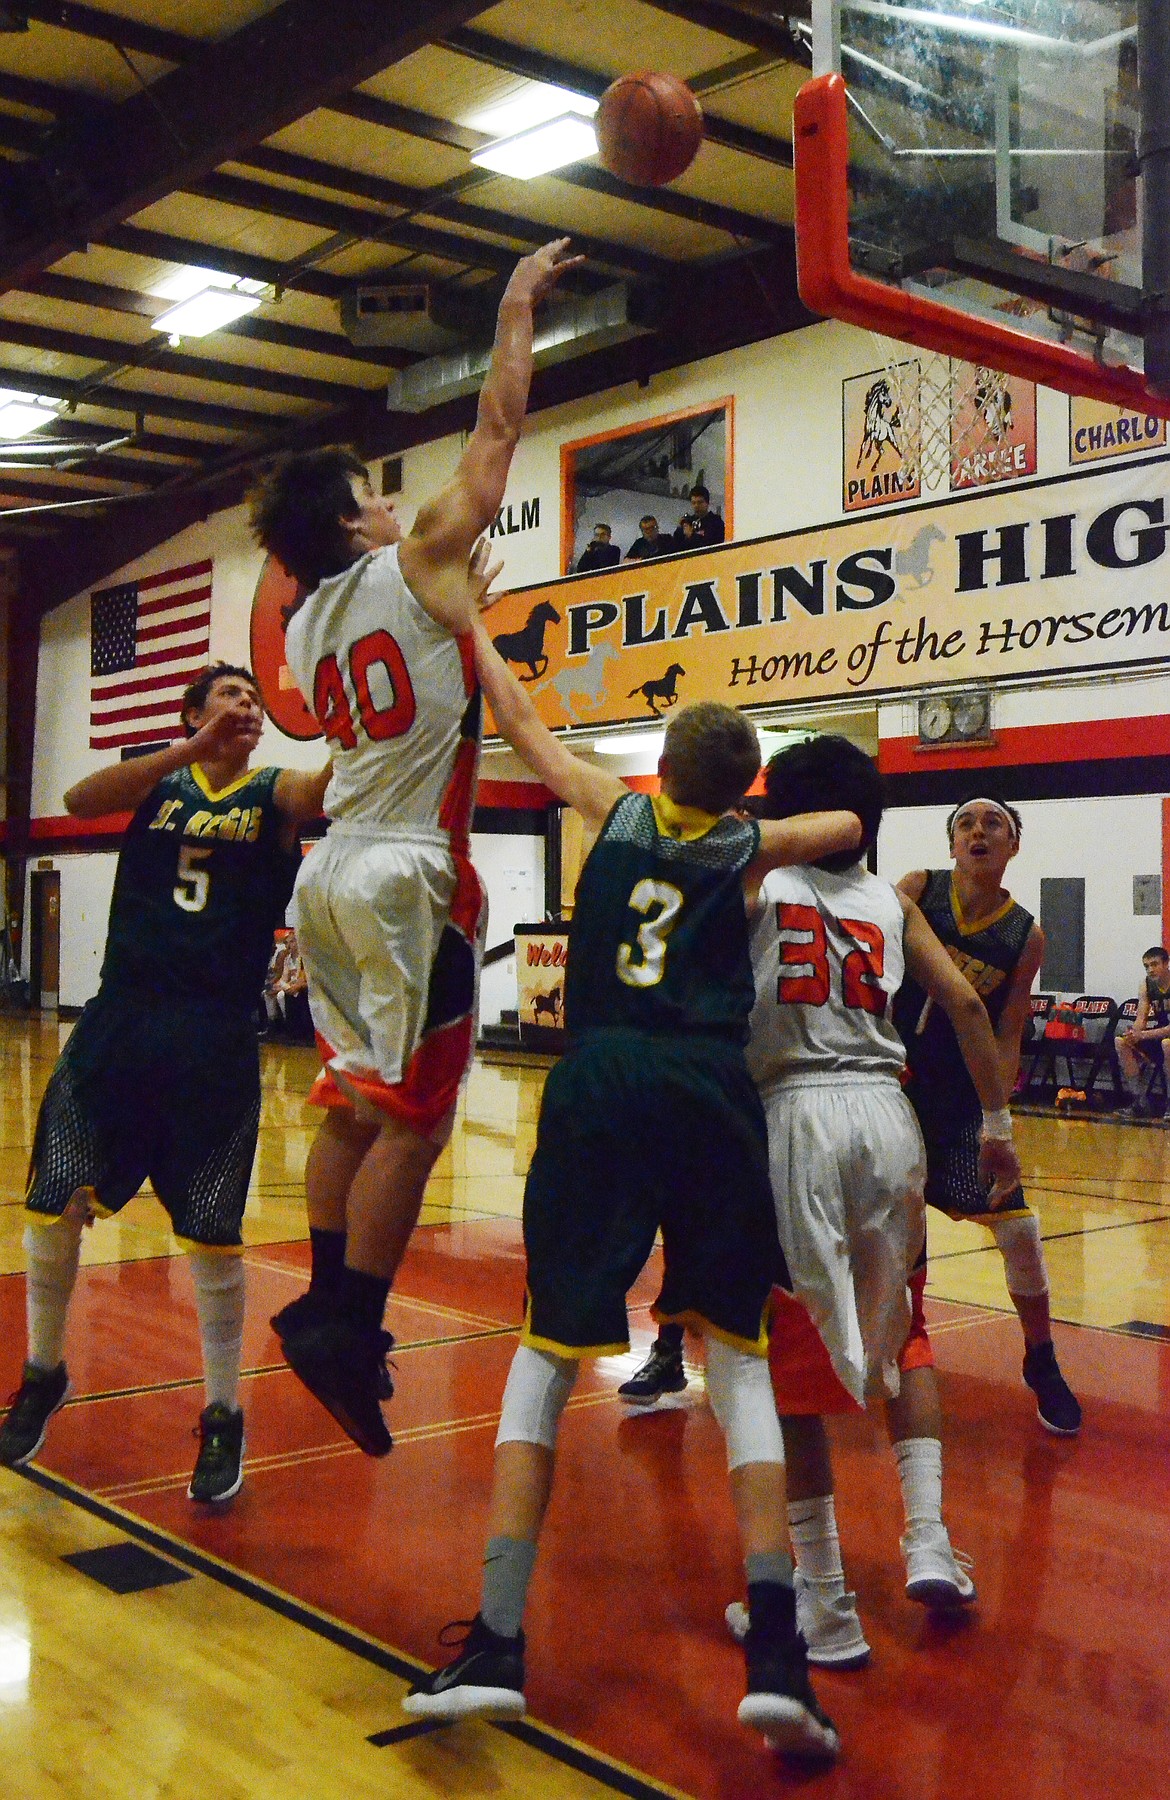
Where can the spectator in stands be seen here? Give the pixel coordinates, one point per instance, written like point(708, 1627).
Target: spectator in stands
point(651, 543)
point(1148, 1038)
point(701, 526)
point(600, 553)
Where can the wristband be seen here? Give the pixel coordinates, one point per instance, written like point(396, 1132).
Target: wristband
point(998, 1125)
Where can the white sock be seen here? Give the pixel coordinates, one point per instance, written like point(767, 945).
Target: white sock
point(219, 1297)
point(920, 1474)
point(53, 1250)
point(816, 1546)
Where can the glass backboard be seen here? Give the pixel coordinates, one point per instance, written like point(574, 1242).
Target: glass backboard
point(1007, 160)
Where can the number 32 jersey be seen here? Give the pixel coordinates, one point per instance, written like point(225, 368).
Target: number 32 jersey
point(396, 696)
point(827, 956)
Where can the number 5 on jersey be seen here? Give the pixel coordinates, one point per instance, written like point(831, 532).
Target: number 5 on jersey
point(804, 961)
point(648, 968)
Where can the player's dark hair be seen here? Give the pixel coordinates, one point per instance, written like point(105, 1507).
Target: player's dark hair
point(1011, 812)
point(602, 526)
point(1157, 950)
point(297, 507)
point(195, 697)
point(702, 492)
point(826, 774)
point(712, 755)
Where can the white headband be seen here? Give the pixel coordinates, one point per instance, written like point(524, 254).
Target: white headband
point(984, 800)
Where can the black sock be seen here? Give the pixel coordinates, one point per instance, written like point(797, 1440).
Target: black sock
point(328, 1253)
point(361, 1298)
point(772, 1609)
point(669, 1341)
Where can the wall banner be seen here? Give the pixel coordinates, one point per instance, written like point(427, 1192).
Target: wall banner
point(1097, 430)
point(1046, 577)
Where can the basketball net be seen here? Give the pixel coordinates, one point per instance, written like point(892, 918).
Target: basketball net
point(946, 409)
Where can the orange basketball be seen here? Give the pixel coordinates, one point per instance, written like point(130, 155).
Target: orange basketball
point(649, 128)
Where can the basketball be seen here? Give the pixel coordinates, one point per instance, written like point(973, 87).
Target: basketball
point(649, 128)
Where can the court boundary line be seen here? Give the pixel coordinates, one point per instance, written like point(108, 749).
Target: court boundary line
point(608, 1772)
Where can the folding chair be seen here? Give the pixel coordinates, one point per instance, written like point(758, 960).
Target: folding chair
point(1042, 1005)
point(1154, 1082)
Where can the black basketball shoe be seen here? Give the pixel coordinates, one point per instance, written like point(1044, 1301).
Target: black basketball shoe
point(219, 1467)
point(486, 1680)
point(310, 1309)
point(344, 1368)
point(780, 1701)
point(1058, 1407)
point(661, 1373)
point(38, 1397)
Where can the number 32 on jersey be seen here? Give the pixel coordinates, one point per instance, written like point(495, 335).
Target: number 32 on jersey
point(805, 974)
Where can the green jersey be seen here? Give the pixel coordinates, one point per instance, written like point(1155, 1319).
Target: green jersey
point(659, 937)
point(203, 880)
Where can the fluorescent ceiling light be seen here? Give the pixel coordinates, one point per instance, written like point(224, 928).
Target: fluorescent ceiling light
point(188, 280)
point(20, 416)
point(631, 743)
point(533, 104)
point(207, 311)
point(567, 139)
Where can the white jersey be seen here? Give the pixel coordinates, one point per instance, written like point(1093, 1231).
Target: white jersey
point(827, 958)
point(396, 696)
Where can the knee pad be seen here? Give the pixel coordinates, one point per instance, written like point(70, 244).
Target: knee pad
point(538, 1388)
point(740, 1388)
point(216, 1271)
point(1023, 1255)
point(52, 1245)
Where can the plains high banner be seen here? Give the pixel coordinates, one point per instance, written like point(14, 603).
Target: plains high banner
point(1065, 575)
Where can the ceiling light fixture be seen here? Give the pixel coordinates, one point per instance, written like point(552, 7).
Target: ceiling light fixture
point(19, 415)
point(531, 103)
point(569, 138)
point(206, 301)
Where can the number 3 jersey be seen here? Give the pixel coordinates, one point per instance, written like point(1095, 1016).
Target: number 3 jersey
point(203, 881)
point(396, 696)
point(658, 941)
point(826, 951)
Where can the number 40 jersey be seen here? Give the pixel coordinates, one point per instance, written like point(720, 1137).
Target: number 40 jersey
point(827, 956)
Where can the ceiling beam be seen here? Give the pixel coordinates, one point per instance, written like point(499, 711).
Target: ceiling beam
point(139, 402)
point(265, 331)
point(741, 26)
point(743, 227)
point(23, 90)
point(202, 114)
point(161, 246)
point(24, 135)
point(111, 28)
point(153, 354)
point(17, 486)
point(437, 205)
point(537, 67)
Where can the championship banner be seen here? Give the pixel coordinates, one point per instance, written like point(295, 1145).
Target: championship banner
point(1042, 578)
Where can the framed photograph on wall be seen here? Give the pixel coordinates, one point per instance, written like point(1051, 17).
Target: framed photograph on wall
point(613, 481)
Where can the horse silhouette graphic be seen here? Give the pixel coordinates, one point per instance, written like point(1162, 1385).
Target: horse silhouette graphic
point(588, 680)
point(526, 646)
point(547, 1005)
point(883, 420)
point(914, 560)
point(663, 689)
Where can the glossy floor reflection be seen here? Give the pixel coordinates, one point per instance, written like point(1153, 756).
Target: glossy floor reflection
point(1057, 1687)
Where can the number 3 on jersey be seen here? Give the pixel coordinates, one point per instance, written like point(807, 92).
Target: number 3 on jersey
point(807, 957)
point(649, 968)
point(376, 651)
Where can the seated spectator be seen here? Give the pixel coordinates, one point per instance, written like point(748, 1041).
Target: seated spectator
point(600, 554)
point(286, 989)
point(651, 543)
point(700, 526)
point(1148, 1038)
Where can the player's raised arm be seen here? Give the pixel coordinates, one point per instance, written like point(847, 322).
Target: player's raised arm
point(804, 838)
point(433, 556)
point(590, 791)
point(123, 786)
point(928, 964)
point(300, 794)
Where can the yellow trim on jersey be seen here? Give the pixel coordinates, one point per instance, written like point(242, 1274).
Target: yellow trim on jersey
point(695, 1321)
point(571, 1352)
point(977, 925)
point(683, 823)
point(190, 1244)
point(233, 787)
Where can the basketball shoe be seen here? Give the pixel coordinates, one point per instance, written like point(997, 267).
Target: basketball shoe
point(40, 1394)
point(661, 1373)
point(219, 1467)
point(485, 1681)
point(936, 1576)
point(344, 1367)
point(1057, 1406)
point(826, 1617)
point(309, 1309)
point(780, 1702)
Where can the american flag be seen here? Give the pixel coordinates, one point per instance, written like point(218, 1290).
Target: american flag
point(148, 640)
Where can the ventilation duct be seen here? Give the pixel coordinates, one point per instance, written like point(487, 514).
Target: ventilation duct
point(571, 328)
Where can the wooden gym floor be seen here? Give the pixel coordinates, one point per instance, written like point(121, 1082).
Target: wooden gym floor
point(262, 1652)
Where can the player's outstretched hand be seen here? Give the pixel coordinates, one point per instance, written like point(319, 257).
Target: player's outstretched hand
point(233, 729)
point(481, 577)
point(536, 275)
point(999, 1170)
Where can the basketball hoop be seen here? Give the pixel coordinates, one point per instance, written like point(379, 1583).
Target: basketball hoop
point(947, 410)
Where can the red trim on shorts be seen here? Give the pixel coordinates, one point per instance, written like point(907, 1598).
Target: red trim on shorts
point(804, 1380)
point(916, 1352)
point(458, 803)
